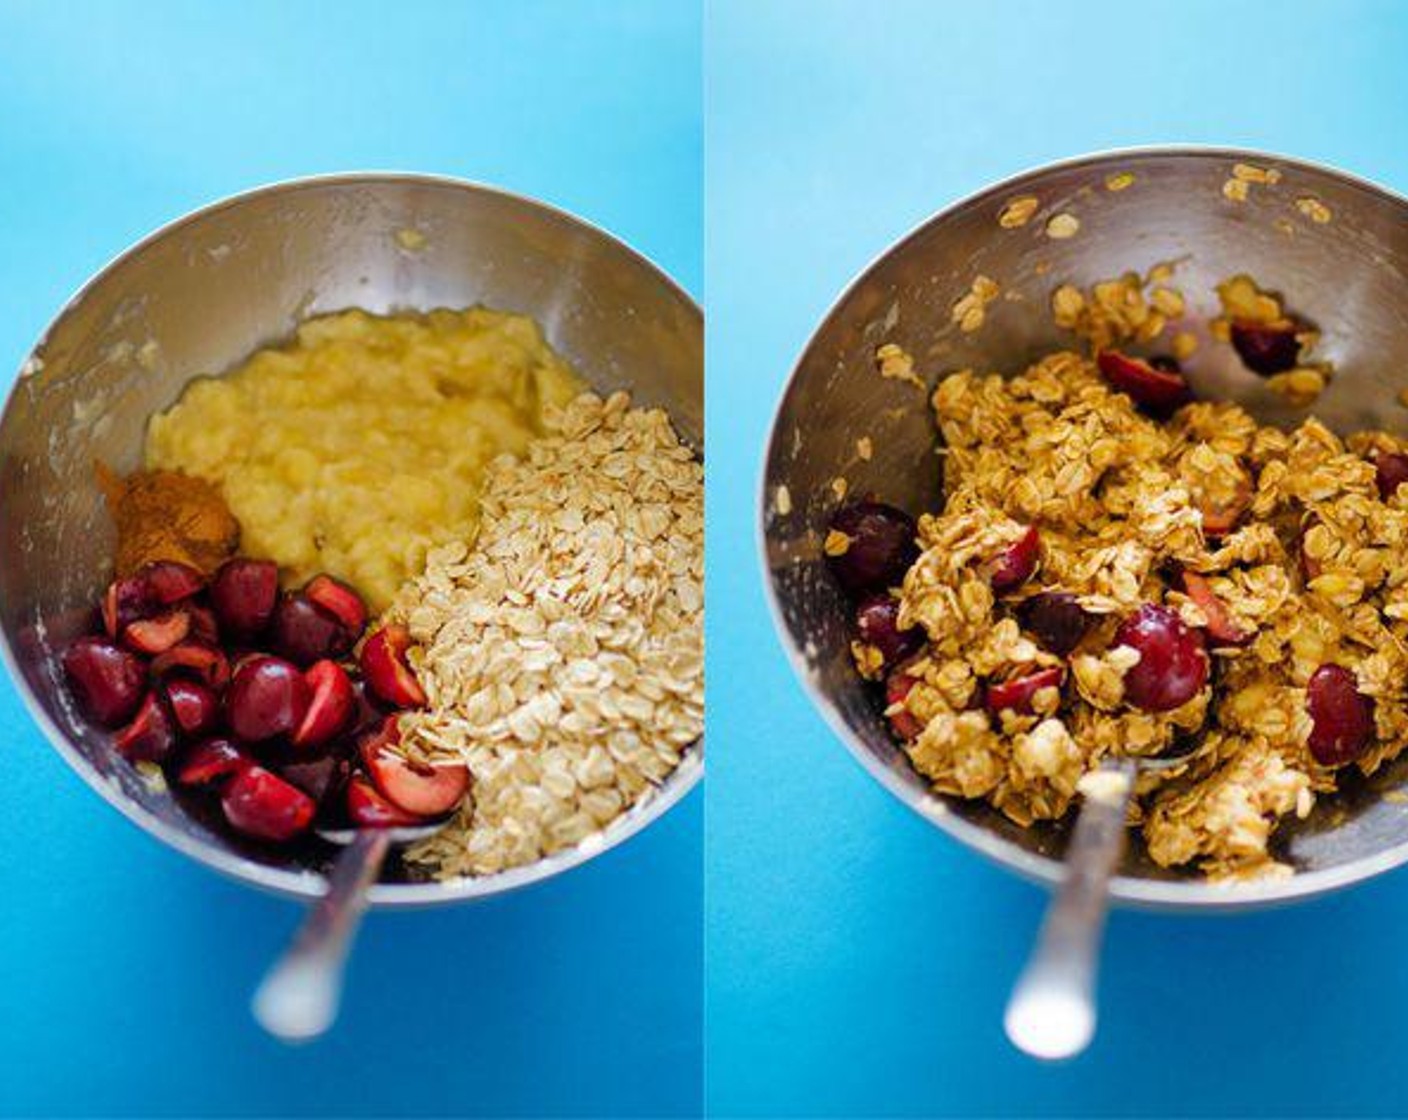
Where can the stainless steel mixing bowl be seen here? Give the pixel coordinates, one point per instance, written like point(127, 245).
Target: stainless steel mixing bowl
point(195, 298)
point(1346, 275)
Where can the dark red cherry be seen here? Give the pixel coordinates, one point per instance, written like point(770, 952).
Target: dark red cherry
point(881, 547)
point(1014, 565)
point(877, 624)
point(1056, 619)
point(108, 682)
point(1341, 717)
point(1266, 348)
point(1173, 665)
point(1159, 391)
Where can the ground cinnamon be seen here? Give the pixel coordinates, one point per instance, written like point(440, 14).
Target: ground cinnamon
point(165, 515)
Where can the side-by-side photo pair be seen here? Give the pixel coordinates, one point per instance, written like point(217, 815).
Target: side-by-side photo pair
point(359, 553)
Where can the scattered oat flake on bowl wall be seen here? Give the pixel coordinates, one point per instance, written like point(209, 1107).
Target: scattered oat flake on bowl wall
point(1117, 309)
point(896, 364)
point(564, 653)
point(1246, 175)
point(1314, 209)
point(970, 309)
point(1235, 190)
point(1062, 226)
point(1184, 344)
point(1018, 212)
point(1250, 173)
point(1119, 181)
point(1299, 387)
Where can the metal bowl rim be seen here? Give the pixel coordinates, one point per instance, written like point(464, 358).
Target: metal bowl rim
point(1140, 893)
point(307, 885)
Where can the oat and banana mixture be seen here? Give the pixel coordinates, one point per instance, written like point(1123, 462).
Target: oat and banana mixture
point(1113, 578)
point(563, 652)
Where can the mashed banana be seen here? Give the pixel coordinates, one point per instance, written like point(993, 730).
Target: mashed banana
point(362, 443)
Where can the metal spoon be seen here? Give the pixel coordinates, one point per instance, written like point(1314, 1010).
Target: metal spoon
point(1051, 1013)
point(299, 998)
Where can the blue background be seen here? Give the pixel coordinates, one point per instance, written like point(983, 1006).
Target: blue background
point(124, 969)
point(858, 959)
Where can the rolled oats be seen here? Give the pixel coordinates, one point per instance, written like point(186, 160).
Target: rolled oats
point(563, 653)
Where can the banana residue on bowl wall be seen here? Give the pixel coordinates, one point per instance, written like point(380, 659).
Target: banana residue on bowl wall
point(362, 443)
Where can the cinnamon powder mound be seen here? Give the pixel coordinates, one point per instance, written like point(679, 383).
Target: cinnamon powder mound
point(165, 515)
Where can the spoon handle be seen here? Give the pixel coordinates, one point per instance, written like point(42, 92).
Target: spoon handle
point(299, 997)
point(1052, 1010)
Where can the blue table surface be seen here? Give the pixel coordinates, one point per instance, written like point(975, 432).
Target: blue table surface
point(125, 969)
point(858, 960)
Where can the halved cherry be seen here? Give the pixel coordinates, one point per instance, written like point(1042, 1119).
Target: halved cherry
point(1390, 472)
point(1341, 717)
point(212, 761)
point(330, 706)
point(335, 596)
point(424, 790)
point(905, 724)
point(204, 661)
point(1266, 348)
point(1016, 695)
point(157, 635)
point(170, 581)
point(127, 599)
point(261, 804)
point(151, 734)
point(1221, 629)
point(109, 683)
point(386, 670)
point(369, 809)
point(1014, 565)
point(193, 705)
point(1158, 390)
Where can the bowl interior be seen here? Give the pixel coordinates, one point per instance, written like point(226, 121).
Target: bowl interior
point(1347, 276)
point(198, 297)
